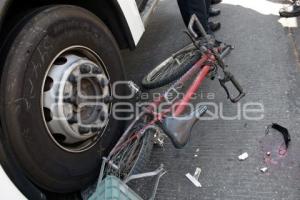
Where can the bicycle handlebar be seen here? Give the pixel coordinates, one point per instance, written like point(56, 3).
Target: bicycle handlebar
point(195, 21)
point(230, 78)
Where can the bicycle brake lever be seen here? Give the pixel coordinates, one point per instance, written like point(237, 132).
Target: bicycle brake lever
point(228, 77)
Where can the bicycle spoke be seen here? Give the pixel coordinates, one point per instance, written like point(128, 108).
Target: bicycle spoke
point(126, 153)
point(175, 63)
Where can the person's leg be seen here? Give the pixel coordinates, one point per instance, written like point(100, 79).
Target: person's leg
point(190, 7)
point(212, 12)
point(199, 8)
point(184, 10)
point(208, 5)
point(216, 1)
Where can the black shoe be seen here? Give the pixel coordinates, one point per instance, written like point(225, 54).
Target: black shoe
point(214, 26)
point(215, 1)
point(214, 12)
point(291, 11)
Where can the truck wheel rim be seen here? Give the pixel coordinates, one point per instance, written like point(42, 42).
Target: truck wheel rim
point(76, 99)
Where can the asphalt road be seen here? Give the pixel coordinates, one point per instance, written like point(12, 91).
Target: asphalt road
point(266, 61)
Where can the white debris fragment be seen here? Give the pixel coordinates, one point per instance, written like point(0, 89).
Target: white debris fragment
point(197, 150)
point(197, 173)
point(268, 153)
point(243, 156)
point(195, 155)
point(264, 169)
point(194, 179)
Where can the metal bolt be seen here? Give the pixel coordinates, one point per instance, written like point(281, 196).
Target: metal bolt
point(108, 99)
point(96, 70)
point(102, 115)
point(72, 79)
point(84, 69)
point(94, 129)
point(104, 82)
point(70, 100)
point(73, 119)
point(83, 130)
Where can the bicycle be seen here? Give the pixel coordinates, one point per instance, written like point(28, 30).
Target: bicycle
point(202, 59)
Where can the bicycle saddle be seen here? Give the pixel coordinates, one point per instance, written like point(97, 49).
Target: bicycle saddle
point(179, 129)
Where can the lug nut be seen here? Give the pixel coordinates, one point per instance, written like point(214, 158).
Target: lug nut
point(104, 82)
point(70, 100)
point(96, 70)
point(84, 69)
point(108, 99)
point(72, 79)
point(83, 130)
point(73, 119)
point(94, 130)
point(102, 115)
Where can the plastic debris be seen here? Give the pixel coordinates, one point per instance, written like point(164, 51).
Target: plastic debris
point(195, 178)
point(268, 153)
point(195, 155)
point(243, 156)
point(197, 150)
point(264, 169)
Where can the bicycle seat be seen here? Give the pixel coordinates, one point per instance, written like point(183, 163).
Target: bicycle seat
point(179, 129)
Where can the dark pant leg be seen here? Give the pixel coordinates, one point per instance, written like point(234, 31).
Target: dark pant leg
point(190, 7)
point(184, 10)
point(208, 4)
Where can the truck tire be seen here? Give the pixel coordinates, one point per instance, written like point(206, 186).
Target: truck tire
point(53, 45)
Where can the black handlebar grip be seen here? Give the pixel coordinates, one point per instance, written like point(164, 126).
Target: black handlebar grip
point(230, 77)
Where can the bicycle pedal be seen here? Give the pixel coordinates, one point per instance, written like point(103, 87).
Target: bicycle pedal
point(134, 88)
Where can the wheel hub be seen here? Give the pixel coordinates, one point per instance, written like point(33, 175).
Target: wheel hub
point(76, 101)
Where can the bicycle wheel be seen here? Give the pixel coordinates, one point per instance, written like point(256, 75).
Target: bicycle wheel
point(171, 69)
point(131, 156)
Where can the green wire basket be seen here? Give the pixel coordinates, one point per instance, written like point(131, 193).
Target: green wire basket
point(112, 188)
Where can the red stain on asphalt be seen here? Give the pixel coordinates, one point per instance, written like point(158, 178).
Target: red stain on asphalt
point(276, 146)
point(282, 151)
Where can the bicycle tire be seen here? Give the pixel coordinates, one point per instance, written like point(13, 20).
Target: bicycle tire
point(167, 77)
point(143, 154)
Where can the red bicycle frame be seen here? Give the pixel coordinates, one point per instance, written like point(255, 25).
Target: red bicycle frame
point(202, 74)
point(203, 71)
